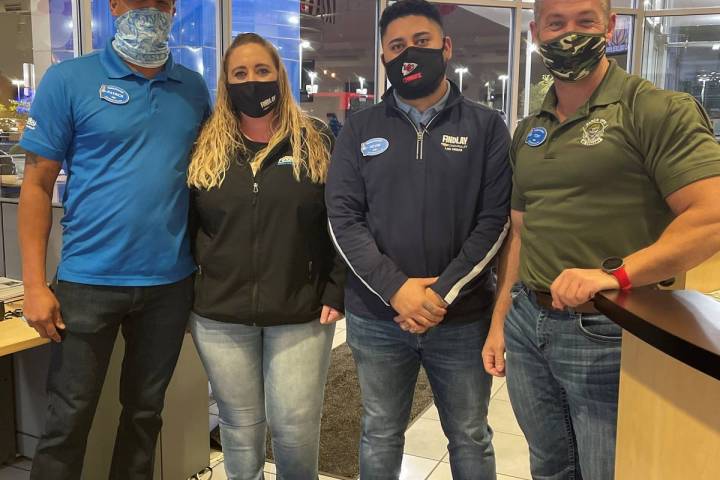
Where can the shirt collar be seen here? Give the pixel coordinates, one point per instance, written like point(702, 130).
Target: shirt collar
point(609, 91)
point(115, 67)
point(430, 111)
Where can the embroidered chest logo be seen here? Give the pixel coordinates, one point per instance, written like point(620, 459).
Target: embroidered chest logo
point(593, 132)
point(454, 144)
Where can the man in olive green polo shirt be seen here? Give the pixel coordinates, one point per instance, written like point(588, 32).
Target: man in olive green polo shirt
point(615, 185)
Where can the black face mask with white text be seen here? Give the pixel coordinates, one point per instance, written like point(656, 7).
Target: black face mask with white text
point(254, 99)
point(417, 72)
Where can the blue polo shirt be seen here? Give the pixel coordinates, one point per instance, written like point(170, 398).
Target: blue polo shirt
point(127, 142)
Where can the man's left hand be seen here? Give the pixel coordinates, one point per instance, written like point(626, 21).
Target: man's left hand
point(576, 286)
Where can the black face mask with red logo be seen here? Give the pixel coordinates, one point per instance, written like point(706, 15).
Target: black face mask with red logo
point(417, 72)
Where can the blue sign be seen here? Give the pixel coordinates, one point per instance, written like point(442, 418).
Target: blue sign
point(114, 95)
point(374, 146)
point(536, 137)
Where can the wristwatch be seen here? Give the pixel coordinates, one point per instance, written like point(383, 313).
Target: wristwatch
point(615, 266)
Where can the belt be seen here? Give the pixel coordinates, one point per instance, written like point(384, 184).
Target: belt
point(544, 300)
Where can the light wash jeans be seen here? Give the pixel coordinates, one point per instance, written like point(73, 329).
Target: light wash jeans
point(260, 377)
point(563, 372)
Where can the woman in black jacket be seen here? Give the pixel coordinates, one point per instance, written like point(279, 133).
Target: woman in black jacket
point(269, 285)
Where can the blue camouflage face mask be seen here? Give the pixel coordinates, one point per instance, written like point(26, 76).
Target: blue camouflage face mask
point(141, 37)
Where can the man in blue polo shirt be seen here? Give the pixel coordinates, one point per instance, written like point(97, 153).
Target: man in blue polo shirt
point(124, 120)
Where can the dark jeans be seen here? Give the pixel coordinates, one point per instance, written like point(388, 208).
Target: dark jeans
point(153, 322)
point(388, 361)
point(563, 372)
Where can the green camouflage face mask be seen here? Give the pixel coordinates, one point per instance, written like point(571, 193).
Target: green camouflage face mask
point(573, 56)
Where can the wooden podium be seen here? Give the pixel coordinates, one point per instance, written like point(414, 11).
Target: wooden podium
point(669, 406)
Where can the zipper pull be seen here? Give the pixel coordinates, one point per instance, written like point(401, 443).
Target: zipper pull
point(310, 264)
point(256, 190)
point(418, 148)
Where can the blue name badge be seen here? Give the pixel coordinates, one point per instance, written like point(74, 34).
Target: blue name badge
point(536, 137)
point(114, 95)
point(374, 146)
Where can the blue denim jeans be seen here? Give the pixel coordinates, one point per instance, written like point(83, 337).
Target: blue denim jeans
point(260, 377)
point(563, 372)
point(388, 362)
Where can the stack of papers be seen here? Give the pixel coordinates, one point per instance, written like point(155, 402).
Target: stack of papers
point(10, 290)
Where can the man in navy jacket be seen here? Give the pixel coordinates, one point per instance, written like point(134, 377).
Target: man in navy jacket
point(418, 201)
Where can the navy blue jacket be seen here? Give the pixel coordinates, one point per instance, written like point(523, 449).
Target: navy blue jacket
point(420, 202)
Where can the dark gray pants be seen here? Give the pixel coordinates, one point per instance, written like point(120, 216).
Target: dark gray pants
point(153, 322)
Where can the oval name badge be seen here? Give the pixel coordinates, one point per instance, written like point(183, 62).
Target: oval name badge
point(114, 95)
point(536, 137)
point(374, 146)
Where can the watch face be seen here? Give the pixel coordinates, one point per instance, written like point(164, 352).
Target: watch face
point(612, 263)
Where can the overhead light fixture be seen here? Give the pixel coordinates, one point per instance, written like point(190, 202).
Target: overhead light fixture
point(716, 46)
point(304, 44)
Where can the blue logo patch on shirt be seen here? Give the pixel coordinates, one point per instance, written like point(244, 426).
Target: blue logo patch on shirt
point(285, 161)
point(374, 146)
point(536, 137)
point(114, 95)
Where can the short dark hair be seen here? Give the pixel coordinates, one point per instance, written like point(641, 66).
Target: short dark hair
point(405, 8)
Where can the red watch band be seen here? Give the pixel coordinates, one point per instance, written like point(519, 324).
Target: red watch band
point(622, 278)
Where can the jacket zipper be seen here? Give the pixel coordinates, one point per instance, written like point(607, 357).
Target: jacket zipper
point(420, 133)
point(255, 253)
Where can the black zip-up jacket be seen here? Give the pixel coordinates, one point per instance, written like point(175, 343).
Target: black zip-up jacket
point(262, 246)
point(408, 202)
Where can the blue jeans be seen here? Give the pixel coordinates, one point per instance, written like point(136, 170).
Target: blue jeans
point(563, 372)
point(388, 362)
point(152, 321)
point(267, 376)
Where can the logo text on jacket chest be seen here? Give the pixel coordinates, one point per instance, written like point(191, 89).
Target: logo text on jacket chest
point(452, 143)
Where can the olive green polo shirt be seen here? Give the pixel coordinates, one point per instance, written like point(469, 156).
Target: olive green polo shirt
point(595, 185)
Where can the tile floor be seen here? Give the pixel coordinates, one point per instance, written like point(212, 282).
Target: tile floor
point(426, 456)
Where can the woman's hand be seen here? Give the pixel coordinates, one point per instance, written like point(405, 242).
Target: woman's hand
point(329, 315)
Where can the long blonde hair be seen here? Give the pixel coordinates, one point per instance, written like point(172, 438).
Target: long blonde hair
point(221, 140)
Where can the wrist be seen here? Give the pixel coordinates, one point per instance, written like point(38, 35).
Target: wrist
point(34, 286)
point(615, 267)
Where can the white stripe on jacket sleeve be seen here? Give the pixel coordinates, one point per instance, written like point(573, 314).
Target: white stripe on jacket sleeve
point(477, 269)
point(337, 247)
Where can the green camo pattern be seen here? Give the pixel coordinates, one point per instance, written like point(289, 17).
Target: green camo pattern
point(573, 56)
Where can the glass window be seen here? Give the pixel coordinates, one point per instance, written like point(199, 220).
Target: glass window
point(328, 48)
point(683, 53)
point(535, 80)
point(276, 20)
point(192, 40)
point(666, 4)
point(481, 51)
point(36, 35)
point(618, 3)
point(338, 58)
